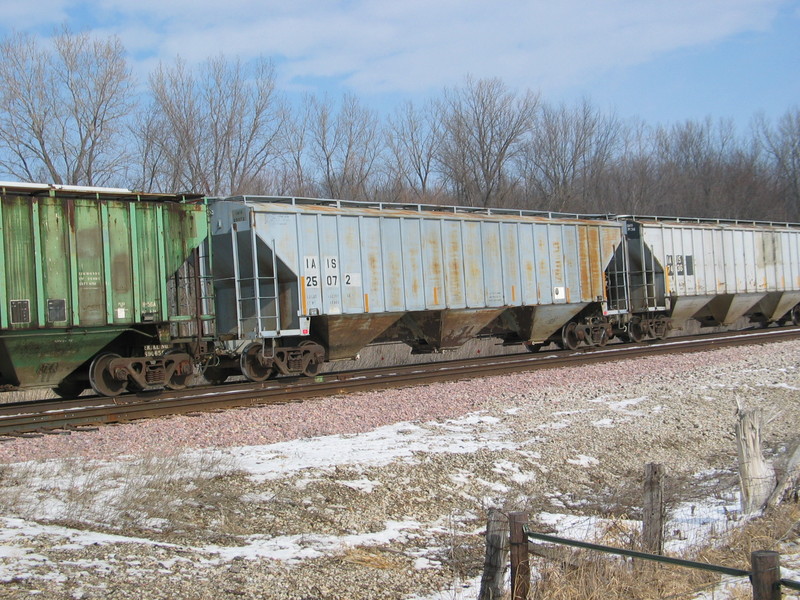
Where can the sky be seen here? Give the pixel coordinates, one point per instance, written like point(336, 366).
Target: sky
point(662, 61)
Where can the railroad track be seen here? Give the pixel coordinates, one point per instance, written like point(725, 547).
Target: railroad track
point(64, 416)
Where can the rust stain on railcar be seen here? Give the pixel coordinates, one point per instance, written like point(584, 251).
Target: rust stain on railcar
point(585, 262)
point(373, 265)
point(530, 269)
point(475, 271)
point(414, 259)
point(543, 255)
point(453, 288)
point(556, 261)
point(394, 283)
point(350, 238)
point(596, 263)
point(375, 275)
point(436, 266)
point(434, 251)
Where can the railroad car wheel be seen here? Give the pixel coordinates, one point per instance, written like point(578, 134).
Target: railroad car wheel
point(635, 331)
point(178, 379)
point(569, 336)
point(796, 315)
point(252, 367)
point(312, 368)
point(102, 380)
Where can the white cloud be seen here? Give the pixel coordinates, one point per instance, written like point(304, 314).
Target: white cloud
point(25, 16)
point(418, 46)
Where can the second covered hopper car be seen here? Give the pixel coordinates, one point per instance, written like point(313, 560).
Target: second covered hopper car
point(711, 270)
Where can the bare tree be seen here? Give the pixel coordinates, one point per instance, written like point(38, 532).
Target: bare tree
point(692, 159)
point(147, 170)
point(63, 110)
point(344, 146)
point(412, 138)
point(214, 132)
point(483, 127)
point(292, 176)
point(782, 144)
point(564, 160)
point(629, 183)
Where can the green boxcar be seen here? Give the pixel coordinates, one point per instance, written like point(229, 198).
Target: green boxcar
point(85, 270)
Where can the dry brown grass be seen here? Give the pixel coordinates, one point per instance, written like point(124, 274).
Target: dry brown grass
point(587, 575)
point(160, 493)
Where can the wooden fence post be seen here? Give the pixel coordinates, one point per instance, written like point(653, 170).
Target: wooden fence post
point(520, 561)
point(653, 512)
point(766, 578)
point(494, 565)
point(756, 475)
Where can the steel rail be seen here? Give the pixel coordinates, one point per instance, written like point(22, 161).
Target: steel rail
point(31, 417)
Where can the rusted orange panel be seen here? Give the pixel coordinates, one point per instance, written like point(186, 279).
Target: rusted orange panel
point(455, 259)
point(413, 254)
point(597, 264)
point(585, 266)
point(611, 239)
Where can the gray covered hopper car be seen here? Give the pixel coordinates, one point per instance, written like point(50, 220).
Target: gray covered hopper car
point(301, 281)
point(714, 271)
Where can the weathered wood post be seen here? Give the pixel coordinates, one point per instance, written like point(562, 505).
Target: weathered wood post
point(766, 578)
point(496, 560)
point(756, 475)
point(653, 512)
point(791, 473)
point(520, 560)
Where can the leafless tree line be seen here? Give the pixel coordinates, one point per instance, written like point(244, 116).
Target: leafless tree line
point(71, 113)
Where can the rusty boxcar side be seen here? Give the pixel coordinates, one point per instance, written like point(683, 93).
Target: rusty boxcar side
point(91, 270)
point(346, 274)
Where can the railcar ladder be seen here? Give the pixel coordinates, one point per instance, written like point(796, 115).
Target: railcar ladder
point(617, 283)
point(266, 324)
point(205, 295)
point(645, 283)
point(191, 303)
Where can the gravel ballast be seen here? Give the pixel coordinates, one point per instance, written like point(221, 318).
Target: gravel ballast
point(378, 494)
